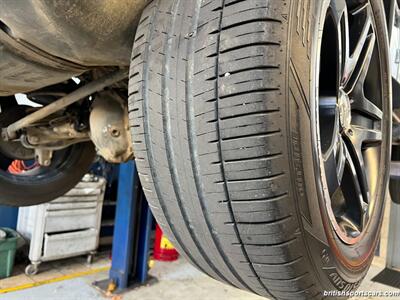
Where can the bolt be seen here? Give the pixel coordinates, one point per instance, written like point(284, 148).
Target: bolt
point(47, 162)
point(115, 133)
point(351, 132)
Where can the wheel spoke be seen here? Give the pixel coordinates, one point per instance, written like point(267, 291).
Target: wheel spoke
point(334, 165)
point(354, 176)
point(340, 16)
point(355, 188)
point(348, 225)
point(328, 110)
point(357, 138)
point(361, 67)
point(338, 7)
point(362, 136)
point(341, 161)
point(331, 173)
point(355, 86)
point(355, 59)
point(365, 106)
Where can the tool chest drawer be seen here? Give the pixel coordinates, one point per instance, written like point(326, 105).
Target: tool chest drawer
point(62, 244)
point(64, 220)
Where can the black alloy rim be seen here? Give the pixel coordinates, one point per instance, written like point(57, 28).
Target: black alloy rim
point(351, 115)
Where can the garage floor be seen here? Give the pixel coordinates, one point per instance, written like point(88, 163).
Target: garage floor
point(173, 281)
point(53, 272)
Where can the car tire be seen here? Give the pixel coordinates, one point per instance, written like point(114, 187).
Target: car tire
point(233, 133)
point(41, 184)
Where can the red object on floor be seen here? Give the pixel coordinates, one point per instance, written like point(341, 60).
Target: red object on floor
point(163, 249)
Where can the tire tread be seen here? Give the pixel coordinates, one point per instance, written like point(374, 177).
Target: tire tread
point(207, 117)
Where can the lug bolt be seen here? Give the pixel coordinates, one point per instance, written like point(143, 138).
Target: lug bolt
point(351, 132)
point(115, 133)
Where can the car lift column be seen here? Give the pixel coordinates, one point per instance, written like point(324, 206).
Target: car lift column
point(133, 225)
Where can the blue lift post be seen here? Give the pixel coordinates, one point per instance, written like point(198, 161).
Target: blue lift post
point(8, 217)
point(133, 225)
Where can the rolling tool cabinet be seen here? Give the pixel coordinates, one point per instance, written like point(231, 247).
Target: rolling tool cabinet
point(66, 227)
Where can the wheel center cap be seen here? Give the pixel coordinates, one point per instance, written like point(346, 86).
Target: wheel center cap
point(344, 110)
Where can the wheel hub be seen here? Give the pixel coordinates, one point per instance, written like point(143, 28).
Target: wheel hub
point(344, 110)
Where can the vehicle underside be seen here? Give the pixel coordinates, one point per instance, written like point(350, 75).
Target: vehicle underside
point(263, 130)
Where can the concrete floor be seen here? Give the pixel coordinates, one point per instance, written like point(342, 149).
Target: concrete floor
point(174, 281)
point(49, 271)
